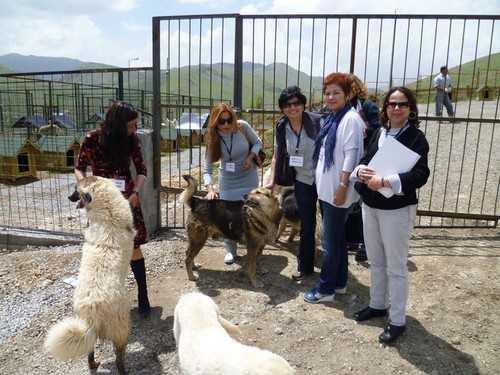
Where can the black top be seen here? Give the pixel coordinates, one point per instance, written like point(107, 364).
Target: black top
point(415, 140)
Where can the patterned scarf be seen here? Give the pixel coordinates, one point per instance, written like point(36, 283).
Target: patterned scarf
point(329, 129)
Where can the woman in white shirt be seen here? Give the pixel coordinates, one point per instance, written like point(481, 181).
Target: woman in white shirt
point(337, 151)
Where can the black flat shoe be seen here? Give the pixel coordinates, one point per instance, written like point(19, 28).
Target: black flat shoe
point(299, 275)
point(368, 313)
point(391, 333)
point(360, 256)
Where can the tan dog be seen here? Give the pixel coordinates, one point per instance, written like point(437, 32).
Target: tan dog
point(100, 302)
point(205, 347)
point(253, 222)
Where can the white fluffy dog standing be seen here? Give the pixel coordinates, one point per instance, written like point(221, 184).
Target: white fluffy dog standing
point(205, 347)
point(100, 300)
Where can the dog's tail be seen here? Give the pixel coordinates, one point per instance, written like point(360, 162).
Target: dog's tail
point(230, 328)
point(190, 190)
point(71, 338)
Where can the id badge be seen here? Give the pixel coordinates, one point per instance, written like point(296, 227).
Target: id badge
point(296, 161)
point(230, 167)
point(120, 184)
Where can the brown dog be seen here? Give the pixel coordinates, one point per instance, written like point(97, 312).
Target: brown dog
point(252, 222)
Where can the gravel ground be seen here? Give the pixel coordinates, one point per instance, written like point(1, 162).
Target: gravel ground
point(453, 310)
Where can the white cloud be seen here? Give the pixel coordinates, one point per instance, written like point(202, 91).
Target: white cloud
point(67, 37)
point(112, 32)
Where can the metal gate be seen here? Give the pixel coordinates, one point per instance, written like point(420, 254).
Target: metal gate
point(248, 60)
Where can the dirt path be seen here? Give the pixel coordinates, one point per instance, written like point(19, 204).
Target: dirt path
point(453, 311)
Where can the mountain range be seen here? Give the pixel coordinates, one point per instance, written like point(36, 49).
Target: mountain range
point(16, 63)
point(266, 80)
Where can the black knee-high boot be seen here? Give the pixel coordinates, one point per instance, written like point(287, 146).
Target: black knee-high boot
point(139, 270)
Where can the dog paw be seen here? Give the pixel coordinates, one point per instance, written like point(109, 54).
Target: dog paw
point(194, 277)
point(196, 266)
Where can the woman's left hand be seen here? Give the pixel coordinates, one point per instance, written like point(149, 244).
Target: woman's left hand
point(133, 199)
point(375, 183)
point(339, 196)
point(247, 164)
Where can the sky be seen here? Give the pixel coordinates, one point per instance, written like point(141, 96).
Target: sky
point(118, 32)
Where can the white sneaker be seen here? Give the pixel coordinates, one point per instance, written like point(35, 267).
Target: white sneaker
point(229, 258)
point(341, 290)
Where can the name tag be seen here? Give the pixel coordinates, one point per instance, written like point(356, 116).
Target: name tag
point(296, 161)
point(120, 184)
point(230, 167)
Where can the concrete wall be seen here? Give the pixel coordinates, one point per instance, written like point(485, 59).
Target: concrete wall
point(148, 195)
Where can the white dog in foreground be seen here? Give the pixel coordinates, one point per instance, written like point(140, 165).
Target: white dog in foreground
point(100, 301)
point(205, 347)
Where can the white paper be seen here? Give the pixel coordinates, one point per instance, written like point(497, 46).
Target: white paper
point(296, 161)
point(391, 158)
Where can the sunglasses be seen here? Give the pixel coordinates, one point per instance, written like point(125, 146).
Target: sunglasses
point(289, 105)
point(222, 121)
point(401, 105)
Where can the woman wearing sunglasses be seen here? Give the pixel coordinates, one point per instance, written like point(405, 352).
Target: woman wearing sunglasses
point(238, 173)
point(338, 149)
point(295, 135)
point(388, 222)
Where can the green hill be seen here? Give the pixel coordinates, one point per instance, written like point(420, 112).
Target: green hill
point(265, 82)
point(472, 74)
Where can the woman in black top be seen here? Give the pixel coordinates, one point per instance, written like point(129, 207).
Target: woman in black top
point(388, 222)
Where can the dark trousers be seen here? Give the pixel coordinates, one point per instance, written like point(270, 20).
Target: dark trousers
point(307, 197)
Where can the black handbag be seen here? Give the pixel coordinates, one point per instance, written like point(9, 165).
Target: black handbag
point(261, 155)
point(287, 174)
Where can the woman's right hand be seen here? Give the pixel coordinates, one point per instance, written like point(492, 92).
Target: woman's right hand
point(365, 174)
point(211, 195)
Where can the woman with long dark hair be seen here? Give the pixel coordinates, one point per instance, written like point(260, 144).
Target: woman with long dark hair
point(109, 151)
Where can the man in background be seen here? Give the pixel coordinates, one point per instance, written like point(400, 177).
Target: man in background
point(442, 85)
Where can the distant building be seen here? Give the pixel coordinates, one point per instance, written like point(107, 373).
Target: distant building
point(18, 157)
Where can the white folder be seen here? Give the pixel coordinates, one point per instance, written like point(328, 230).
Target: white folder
point(392, 157)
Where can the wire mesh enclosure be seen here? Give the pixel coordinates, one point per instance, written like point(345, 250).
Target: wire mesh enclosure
point(247, 61)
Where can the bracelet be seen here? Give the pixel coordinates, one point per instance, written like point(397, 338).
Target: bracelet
point(382, 181)
point(343, 185)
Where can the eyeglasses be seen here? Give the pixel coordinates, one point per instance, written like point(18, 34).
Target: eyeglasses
point(401, 105)
point(222, 121)
point(289, 105)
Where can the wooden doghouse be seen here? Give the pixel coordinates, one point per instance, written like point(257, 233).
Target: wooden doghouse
point(28, 126)
point(191, 138)
point(170, 139)
point(18, 157)
point(58, 152)
point(94, 121)
point(484, 92)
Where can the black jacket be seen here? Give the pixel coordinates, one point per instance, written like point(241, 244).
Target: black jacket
point(415, 140)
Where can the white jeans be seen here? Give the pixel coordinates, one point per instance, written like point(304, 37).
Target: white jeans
point(387, 236)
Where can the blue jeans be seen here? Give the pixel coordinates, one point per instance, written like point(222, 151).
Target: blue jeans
point(442, 98)
point(307, 197)
point(333, 273)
